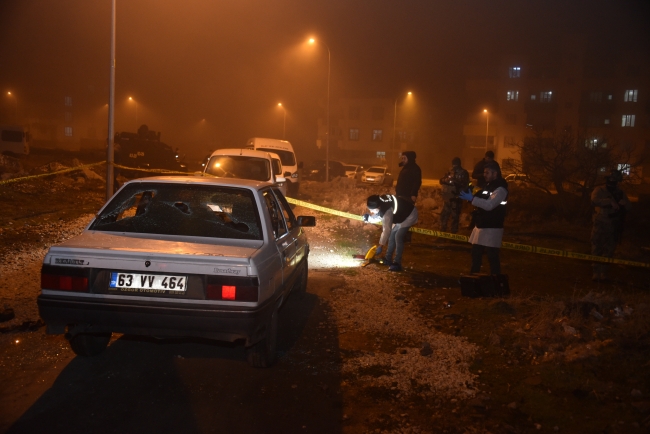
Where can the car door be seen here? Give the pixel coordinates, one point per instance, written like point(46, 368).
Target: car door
point(283, 238)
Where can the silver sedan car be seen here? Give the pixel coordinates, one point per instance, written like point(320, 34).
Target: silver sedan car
point(179, 256)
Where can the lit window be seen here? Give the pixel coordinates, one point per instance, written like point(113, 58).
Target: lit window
point(610, 97)
point(377, 135)
point(67, 131)
point(68, 101)
point(624, 168)
point(628, 120)
point(513, 95)
point(591, 143)
point(533, 97)
point(381, 155)
point(631, 95)
point(354, 134)
point(402, 136)
point(515, 72)
point(606, 121)
point(545, 96)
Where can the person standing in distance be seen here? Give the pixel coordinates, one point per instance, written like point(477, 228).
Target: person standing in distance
point(409, 181)
point(453, 183)
point(490, 202)
point(610, 206)
point(477, 173)
point(397, 215)
point(410, 177)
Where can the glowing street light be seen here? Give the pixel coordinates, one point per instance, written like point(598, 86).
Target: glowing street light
point(136, 110)
point(284, 122)
point(487, 125)
point(327, 133)
point(11, 95)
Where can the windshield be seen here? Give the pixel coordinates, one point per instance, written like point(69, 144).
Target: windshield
point(376, 170)
point(239, 166)
point(181, 209)
point(287, 157)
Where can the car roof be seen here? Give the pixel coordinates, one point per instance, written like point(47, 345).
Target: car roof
point(203, 179)
point(377, 167)
point(245, 153)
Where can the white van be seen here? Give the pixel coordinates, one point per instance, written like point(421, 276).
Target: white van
point(288, 157)
point(247, 164)
point(14, 140)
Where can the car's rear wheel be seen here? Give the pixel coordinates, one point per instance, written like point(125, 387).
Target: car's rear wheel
point(89, 344)
point(262, 354)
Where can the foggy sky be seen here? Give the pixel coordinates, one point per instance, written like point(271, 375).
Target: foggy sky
point(231, 61)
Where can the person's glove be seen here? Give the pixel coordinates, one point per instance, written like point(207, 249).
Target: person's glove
point(366, 217)
point(378, 250)
point(466, 195)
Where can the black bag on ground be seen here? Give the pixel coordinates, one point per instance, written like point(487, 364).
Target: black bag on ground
point(484, 285)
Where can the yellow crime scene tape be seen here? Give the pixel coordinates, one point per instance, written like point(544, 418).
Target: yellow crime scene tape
point(505, 245)
point(41, 175)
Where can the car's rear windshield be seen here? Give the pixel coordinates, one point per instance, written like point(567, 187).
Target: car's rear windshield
point(287, 157)
point(376, 170)
point(182, 209)
point(239, 166)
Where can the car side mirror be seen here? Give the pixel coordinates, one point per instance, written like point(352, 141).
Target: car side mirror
point(306, 220)
point(287, 174)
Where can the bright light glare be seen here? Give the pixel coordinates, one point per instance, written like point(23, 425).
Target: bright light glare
point(484, 110)
point(17, 341)
point(312, 40)
point(8, 93)
point(332, 260)
point(410, 93)
point(217, 165)
point(280, 104)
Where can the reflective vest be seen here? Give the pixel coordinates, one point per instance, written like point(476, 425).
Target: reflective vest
point(402, 207)
point(495, 218)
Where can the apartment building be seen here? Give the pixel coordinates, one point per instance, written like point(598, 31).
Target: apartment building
point(369, 131)
point(605, 97)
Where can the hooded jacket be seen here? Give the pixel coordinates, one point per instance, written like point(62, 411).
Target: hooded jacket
point(410, 178)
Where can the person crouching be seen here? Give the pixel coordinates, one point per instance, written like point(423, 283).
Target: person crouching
point(397, 215)
point(490, 202)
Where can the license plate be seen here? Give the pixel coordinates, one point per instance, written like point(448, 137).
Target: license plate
point(148, 282)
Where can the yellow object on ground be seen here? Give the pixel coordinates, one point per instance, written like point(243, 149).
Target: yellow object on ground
point(371, 252)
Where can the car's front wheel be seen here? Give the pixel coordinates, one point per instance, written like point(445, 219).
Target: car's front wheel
point(262, 354)
point(89, 344)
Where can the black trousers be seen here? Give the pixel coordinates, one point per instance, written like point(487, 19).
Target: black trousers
point(493, 258)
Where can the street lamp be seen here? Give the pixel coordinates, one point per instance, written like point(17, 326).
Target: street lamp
point(327, 133)
point(136, 111)
point(15, 103)
point(395, 122)
point(284, 122)
point(487, 124)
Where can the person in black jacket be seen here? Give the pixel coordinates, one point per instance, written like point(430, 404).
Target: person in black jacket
point(490, 213)
point(410, 177)
point(397, 215)
point(477, 173)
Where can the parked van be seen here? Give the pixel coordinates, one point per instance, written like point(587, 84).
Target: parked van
point(247, 164)
point(14, 139)
point(284, 149)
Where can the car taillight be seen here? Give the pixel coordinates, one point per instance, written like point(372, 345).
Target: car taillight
point(64, 283)
point(231, 292)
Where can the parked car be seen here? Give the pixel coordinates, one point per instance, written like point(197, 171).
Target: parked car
point(377, 175)
point(517, 177)
point(247, 164)
point(353, 171)
point(179, 256)
point(316, 170)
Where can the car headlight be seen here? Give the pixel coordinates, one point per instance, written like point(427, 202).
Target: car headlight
point(294, 175)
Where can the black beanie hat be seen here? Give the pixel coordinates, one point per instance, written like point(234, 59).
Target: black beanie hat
point(373, 202)
point(492, 165)
point(455, 162)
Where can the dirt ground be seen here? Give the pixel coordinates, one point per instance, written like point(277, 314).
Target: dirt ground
point(389, 352)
